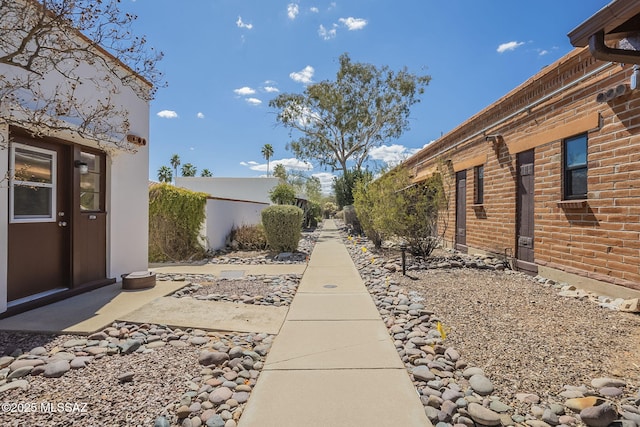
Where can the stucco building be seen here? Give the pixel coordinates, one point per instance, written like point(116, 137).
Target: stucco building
point(73, 205)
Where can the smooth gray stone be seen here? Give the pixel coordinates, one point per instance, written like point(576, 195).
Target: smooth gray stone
point(56, 369)
point(482, 415)
point(129, 346)
point(422, 373)
point(481, 384)
point(215, 421)
point(599, 416)
point(208, 358)
point(469, 372)
point(21, 384)
point(161, 422)
point(20, 372)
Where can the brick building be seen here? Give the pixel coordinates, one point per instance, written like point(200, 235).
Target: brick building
point(549, 175)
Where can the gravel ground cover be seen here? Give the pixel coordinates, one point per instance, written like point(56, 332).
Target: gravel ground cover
point(129, 375)
point(514, 350)
point(252, 289)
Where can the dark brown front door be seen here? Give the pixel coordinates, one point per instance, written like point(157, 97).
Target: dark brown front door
point(525, 213)
point(39, 218)
point(461, 211)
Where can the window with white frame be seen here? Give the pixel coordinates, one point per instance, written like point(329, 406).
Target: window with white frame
point(32, 184)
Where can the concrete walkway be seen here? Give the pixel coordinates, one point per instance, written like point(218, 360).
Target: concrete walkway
point(333, 362)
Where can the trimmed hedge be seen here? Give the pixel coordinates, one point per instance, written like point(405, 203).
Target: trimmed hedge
point(175, 218)
point(283, 227)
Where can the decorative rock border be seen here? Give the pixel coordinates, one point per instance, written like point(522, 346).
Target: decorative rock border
point(281, 289)
point(456, 394)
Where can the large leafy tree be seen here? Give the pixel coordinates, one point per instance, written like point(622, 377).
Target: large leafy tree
point(343, 185)
point(342, 120)
point(267, 153)
point(165, 174)
point(47, 41)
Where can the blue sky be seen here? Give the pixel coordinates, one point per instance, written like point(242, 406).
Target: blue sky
point(225, 59)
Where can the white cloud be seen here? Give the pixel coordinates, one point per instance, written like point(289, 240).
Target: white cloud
point(327, 34)
point(292, 10)
point(353, 23)
point(249, 163)
point(289, 164)
point(241, 24)
point(253, 101)
point(391, 154)
point(168, 114)
point(542, 52)
point(271, 89)
point(504, 47)
point(293, 163)
point(200, 115)
point(314, 9)
point(303, 76)
point(244, 91)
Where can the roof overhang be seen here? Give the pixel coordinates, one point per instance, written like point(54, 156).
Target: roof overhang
point(617, 21)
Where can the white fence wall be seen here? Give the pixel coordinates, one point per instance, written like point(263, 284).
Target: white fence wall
point(224, 214)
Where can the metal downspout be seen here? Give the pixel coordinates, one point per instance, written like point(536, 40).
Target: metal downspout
point(601, 51)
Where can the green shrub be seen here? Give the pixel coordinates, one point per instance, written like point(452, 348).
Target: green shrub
point(283, 227)
point(249, 237)
point(283, 194)
point(175, 218)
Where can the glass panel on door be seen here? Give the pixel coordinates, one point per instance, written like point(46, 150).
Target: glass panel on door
point(33, 184)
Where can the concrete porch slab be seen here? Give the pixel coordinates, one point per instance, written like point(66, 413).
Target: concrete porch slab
point(209, 315)
point(310, 306)
point(364, 344)
point(342, 398)
point(89, 312)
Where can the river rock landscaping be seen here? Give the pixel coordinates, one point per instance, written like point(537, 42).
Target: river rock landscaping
point(485, 345)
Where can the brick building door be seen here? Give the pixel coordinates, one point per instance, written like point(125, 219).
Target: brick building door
point(461, 211)
point(525, 257)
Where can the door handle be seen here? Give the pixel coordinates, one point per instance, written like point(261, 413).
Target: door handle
point(62, 224)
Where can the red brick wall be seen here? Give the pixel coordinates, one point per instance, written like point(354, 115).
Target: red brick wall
point(601, 239)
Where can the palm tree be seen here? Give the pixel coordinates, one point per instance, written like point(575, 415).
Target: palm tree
point(267, 152)
point(206, 173)
point(165, 174)
point(189, 170)
point(175, 162)
point(280, 172)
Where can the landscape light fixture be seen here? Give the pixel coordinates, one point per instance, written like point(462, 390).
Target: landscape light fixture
point(84, 168)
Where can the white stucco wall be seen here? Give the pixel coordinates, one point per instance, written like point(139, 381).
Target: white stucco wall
point(4, 218)
point(128, 204)
point(249, 189)
point(127, 194)
point(224, 215)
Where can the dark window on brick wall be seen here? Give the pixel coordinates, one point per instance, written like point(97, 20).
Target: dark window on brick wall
point(575, 167)
point(479, 177)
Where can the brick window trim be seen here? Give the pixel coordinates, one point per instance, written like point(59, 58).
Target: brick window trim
point(572, 204)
